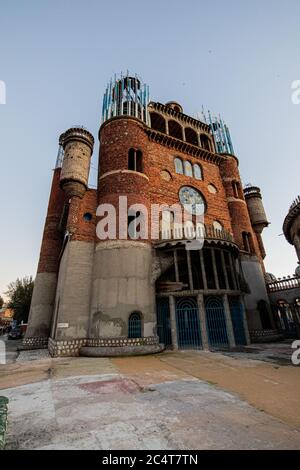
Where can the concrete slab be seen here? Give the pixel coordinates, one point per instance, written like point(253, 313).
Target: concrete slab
point(110, 411)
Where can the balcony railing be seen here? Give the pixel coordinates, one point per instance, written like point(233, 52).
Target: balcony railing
point(284, 284)
point(207, 232)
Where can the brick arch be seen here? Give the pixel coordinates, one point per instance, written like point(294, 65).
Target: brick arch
point(175, 130)
point(158, 122)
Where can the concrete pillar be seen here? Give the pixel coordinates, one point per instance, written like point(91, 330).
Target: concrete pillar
point(203, 269)
point(173, 322)
point(189, 264)
point(228, 321)
point(202, 318)
point(245, 323)
point(233, 271)
point(224, 269)
point(215, 268)
point(176, 265)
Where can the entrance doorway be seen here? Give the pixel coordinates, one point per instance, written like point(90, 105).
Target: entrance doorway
point(188, 323)
point(216, 323)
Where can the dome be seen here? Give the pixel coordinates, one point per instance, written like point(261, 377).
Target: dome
point(174, 105)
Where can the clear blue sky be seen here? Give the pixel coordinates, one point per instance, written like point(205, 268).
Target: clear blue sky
point(235, 57)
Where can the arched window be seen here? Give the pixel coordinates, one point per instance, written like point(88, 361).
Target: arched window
point(178, 166)
point(158, 122)
point(217, 226)
point(175, 130)
point(205, 143)
point(188, 171)
point(135, 325)
point(191, 136)
point(135, 160)
point(197, 172)
point(247, 242)
point(236, 188)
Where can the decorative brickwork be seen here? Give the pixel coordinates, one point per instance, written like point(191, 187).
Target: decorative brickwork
point(72, 347)
point(119, 342)
point(65, 347)
point(35, 342)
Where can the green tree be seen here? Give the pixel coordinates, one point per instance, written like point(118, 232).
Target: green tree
point(19, 297)
point(1, 301)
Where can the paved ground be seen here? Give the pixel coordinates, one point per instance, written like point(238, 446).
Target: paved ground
point(182, 400)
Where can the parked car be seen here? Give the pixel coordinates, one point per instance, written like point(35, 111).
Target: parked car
point(15, 333)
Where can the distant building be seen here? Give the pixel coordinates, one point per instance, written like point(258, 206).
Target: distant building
point(6, 316)
point(285, 293)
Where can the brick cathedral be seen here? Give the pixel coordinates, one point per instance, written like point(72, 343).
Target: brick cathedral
point(102, 297)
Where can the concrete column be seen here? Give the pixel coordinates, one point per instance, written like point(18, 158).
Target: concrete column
point(202, 318)
point(215, 268)
point(203, 269)
point(224, 269)
point(228, 321)
point(173, 322)
point(245, 323)
point(176, 265)
point(167, 126)
point(233, 271)
point(188, 257)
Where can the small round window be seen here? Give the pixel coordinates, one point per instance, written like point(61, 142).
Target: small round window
point(212, 189)
point(87, 217)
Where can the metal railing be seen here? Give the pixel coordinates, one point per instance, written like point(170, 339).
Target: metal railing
point(284, 284)
point(248, 190)
point(178, 232)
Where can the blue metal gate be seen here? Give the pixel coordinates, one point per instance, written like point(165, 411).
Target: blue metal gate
point(237, 317)
point(216, 323)
point(163, 321)
point(188, 324)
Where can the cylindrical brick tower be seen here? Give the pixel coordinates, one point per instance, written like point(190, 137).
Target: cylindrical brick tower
point(241, 223)
point(42, 303)
point(78, 147)
point(244, 234)
point(257, 214)
point(123, 295)
point(70, 319)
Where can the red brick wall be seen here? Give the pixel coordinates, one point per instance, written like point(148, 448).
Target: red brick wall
point(117, 137)
point(240, 218)
point(52, 239)
point(83, 230)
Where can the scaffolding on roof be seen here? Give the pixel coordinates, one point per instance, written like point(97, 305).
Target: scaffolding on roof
point(126, 96)
point(220, 133)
